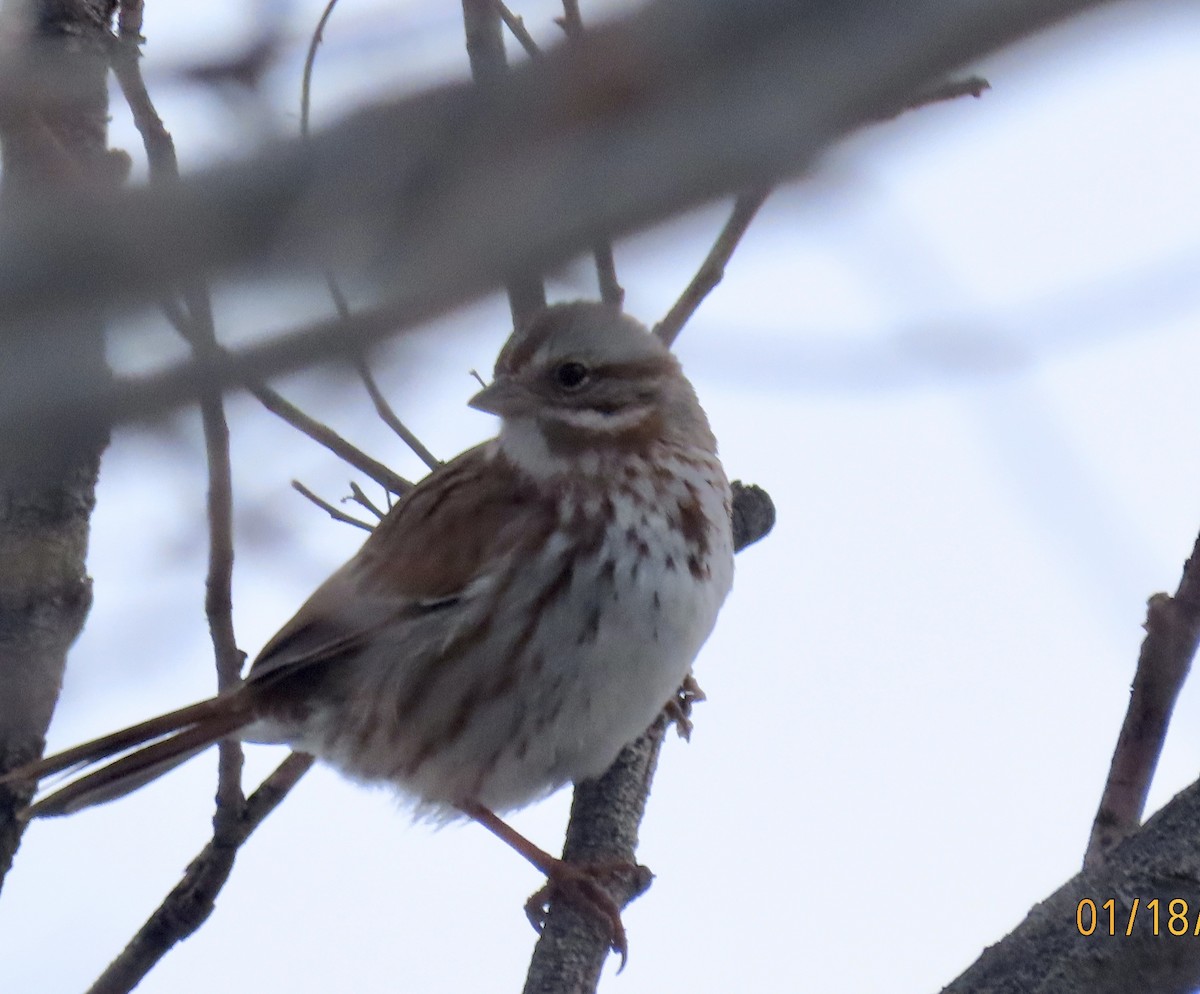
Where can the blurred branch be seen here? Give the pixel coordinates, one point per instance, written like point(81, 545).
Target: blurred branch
point(611, 291)
point(1172, 636)
point(208, 876)
point(485, 50)
point(606, 814)
point(745, 207)
point(951, 89)
point(678, 103)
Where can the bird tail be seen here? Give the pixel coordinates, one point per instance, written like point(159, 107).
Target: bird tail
point(165, 742)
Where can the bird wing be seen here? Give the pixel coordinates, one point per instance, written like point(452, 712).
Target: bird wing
point(444, 543)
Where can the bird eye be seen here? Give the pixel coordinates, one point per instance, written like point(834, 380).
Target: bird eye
point(571, 375)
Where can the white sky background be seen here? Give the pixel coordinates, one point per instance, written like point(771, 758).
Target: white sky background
point(963, 360)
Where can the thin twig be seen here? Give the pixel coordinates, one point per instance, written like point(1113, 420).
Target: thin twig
point(190, 902)
point(319, 432)
point(712, 270)
point(340, 303)
point(384, 409)
point(333, 512)
point(186, 908)
point(516, 25)
point(360, 498)
point(1172, 636)
point(309, 61)
point(326, 436)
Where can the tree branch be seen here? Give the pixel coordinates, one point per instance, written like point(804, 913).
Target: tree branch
point(712, 270)
point(485, 50)
point(190, 903)
point(50, 139)
point(1172, 636)
point(458, 189)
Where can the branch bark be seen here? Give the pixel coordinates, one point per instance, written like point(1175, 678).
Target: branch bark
point(1172, 635)
point(48, 491)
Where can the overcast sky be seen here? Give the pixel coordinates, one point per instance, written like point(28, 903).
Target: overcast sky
point(962, 357)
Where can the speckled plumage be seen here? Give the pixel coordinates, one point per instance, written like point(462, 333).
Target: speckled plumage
point(517, 618)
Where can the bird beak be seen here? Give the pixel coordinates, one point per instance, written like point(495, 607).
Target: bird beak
point(502, 397)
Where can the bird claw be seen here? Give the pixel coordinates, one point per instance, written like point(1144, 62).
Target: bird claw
point(678, 709)
point(580, 884)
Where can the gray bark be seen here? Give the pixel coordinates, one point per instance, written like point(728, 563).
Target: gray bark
point(48, 490)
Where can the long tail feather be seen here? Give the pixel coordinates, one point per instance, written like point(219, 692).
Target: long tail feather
point(173, 738)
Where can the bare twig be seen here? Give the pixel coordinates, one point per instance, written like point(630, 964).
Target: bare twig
point(190, 903)
point(319, 432)
point(200, 332)
point(516, 25)
point(384, 409)
point(309, 61)
point(485, 51)
point(712, 270)
point(361, 499)
point(326, 436)
point(333, 512)
point(746, 206)
point(1172, 636)
point(606, 814)
point(340, 303)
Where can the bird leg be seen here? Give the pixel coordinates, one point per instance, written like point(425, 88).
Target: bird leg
point(576, 883)
point(678, 710)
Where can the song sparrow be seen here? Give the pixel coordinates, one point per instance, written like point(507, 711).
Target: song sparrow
point(516, 619)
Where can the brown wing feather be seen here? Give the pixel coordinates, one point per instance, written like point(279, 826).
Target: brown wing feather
point(459, 519)
point(462, 517)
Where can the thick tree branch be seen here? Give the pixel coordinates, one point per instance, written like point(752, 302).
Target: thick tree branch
point(50, 140)
point(1047, 954)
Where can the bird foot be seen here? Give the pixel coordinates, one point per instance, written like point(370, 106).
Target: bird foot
point(584, 886)
point(678, 710)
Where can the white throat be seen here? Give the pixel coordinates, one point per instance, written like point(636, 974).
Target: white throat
point(524, 444)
